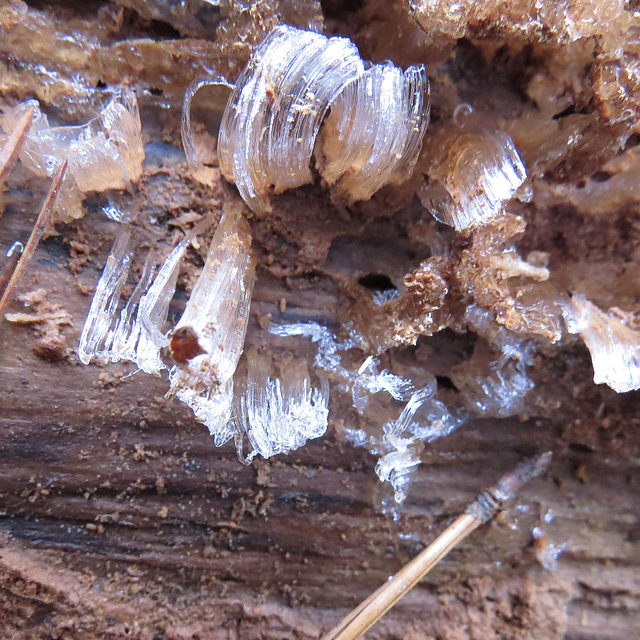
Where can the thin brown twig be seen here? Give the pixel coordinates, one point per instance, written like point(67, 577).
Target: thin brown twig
point(13, 146)
point(36, 234)
point(485, 507)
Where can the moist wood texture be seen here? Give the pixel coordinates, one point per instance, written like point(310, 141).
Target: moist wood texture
point(118, 517)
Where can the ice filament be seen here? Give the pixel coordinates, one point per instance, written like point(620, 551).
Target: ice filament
point(279, 414)
point(217, 313)
point(477, 171)
point(614, 348)
point(136, 333)
point(106, 153)
point(372, 135)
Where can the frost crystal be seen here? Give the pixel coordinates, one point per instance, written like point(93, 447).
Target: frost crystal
point(217, 314)
point(135, 333)
point(369, 380)
point(279, 103)
point(105, 300)
point(614, 348)
point(279, 415)
point(478, 171)
point(106, 153)
point(374, 132)
point(425, 419)
point(362, 383)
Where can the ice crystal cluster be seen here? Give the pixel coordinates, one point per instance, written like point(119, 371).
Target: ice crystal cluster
point(614, 347)
point(374, 131)
point(367, 380)
point(307, 103)
point(106, 153)
point(276, 414)
point(279, 414)
point(328, 357)
point(271, 124)
point(423, 419)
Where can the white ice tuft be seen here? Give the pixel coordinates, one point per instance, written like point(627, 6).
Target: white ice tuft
point(424, 419)
point(135, 333)
point(480, 170)
point(328, 357)
point(106, 153)
point(501, 390)
point(397, 468)
point(369, 380)
point(268, 135)
point(374, 132)
point(279, 414)
point(273, 116)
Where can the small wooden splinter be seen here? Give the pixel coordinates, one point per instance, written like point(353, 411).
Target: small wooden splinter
point(485, 507)
point(13, 146)
point(17, 270)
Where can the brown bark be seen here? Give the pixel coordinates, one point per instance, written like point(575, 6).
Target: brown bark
point(119, 519)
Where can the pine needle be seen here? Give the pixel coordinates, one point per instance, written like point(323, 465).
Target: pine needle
point(485, 507)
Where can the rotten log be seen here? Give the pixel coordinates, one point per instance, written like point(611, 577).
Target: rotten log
point(119, 519)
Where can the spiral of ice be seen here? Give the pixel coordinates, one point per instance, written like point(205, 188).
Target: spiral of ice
point(303, 94)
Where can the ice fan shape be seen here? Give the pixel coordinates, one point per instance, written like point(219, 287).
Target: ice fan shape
point(477, 170)
point(614, 348)
point(270, 126)
point(106, 153)
point(279, 414)
point(135, 333)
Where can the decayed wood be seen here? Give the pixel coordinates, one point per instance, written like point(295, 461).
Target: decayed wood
point(119, 519)
point(119, 513)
